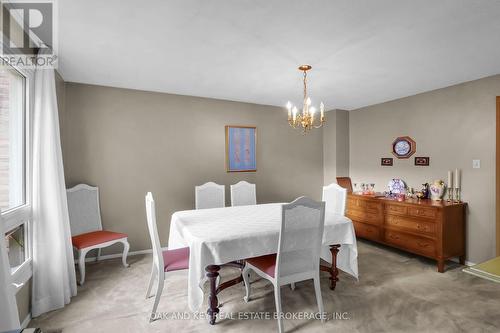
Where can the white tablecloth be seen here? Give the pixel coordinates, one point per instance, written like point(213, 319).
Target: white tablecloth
point(221, 235)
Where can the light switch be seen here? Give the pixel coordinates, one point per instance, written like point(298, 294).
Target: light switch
point(476, 164)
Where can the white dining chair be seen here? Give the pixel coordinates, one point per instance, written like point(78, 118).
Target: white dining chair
point(298, 257)
point(243, 194)
point(86, 226)
point(210, 195)
point(335, 198)
point(163, 260)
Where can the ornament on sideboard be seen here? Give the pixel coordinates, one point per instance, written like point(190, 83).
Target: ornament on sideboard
point(425, 191)
point(437, 190)
point(454, 180)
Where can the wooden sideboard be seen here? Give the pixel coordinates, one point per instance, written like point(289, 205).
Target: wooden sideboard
point(434, 229)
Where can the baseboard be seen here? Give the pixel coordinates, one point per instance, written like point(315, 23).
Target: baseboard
point(118, 255)
point(26, 321)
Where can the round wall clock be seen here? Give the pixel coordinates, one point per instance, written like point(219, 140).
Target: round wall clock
point(404, 147)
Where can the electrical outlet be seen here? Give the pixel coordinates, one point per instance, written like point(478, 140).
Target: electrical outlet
point(476, 164)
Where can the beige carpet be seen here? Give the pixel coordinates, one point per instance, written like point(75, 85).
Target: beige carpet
point(397, 292)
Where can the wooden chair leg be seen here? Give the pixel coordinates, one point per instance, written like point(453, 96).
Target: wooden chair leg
point(151, 281)
point(246, 279)
point(319, 299)
point(279, 313)
point(81, 265)
point(126, 247)
point(159, 290)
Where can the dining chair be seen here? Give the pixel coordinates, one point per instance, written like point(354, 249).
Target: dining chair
point(163, 260)
point(86, 226)
point(210, 195)
point(298, 257)
point(335, 198)
point(243, 194)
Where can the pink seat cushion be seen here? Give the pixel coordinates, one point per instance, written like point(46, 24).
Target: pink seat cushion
point(177, 259)
point(89, 239)
point(266, 263)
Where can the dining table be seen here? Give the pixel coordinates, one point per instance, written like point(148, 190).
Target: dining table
point(229, 235)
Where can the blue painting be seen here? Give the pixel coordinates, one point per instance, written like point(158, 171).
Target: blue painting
point(241, 149)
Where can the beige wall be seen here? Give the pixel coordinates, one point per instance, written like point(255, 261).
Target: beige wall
point(452, 126)
point(336, 146)
point(129, 142)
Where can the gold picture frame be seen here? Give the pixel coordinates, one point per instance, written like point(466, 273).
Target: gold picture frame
point(241, 139)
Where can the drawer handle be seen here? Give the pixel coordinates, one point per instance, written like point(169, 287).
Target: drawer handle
point(394, 236)
point(421, 244)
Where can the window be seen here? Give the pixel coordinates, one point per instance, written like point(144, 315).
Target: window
point(12, 139)
point(14, 178)
point(16, 246)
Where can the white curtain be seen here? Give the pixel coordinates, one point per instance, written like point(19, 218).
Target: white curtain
point(54, 281)
point(9, 318)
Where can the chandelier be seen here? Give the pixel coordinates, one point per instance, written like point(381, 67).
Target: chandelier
point(306, 119)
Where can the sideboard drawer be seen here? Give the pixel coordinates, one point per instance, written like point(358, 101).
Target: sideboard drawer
point(374, 207)
point(396, 209)
point(364, 216)
point(430, 213)
point(412, 243)
point(366, 231)
point(357, 204)
point(410, 224)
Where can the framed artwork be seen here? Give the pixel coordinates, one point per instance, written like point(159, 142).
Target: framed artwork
point(241, 148)
point(404, 147)
point(386, 161)
point(422, 161)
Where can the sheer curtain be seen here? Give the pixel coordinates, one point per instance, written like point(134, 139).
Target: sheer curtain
point(54, 281)
point(9, 319)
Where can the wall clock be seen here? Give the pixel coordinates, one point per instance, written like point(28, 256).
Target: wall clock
point(404, 147)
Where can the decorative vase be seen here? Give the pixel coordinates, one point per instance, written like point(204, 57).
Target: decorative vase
point(437, 190)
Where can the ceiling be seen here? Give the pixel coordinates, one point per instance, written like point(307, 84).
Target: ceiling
point(362, 52)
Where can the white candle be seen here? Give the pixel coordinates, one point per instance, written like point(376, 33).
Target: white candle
point(322, 108)
point(457, 178)
point(450, 179)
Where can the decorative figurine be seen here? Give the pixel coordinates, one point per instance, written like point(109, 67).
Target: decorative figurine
point(425, 191)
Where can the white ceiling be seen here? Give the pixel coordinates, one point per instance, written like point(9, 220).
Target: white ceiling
point(363, 52)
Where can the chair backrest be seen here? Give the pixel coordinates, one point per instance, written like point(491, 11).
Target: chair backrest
point(210, 195)
point(301, 236)
point(153, 233)
point(83, 209)
point(346, 183)
point(335, 198)
point(243, 194)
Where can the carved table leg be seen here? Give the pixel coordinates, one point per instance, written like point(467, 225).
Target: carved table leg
point(213, 302)
point(440, 265)
point(334, 249)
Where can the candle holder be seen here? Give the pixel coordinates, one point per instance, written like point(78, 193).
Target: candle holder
point(457, 195)
point(450, 195)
